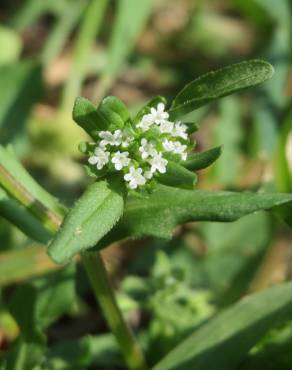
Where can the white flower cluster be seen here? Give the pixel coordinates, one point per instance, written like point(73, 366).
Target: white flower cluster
point(144, 150)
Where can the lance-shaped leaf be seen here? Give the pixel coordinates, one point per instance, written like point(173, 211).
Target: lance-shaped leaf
point(223, 341)
point(92, 216)
point(202, 160)
point(220, 83)
point(177, 175)
point(158, 213)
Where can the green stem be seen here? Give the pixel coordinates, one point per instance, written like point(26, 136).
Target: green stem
point(94, 267)
point(50, 219)
point(104, 294)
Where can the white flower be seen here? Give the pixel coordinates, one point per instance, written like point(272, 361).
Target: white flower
point(175, 147)
point(146, 121)
point(146, 149)
point(158, 114)
point(179, 148)
point(120, 160)
point(135, 177)
point(180, 130)
point(100, 158)
point(109, 138)
point(158, 163)
point(126, 139)
point(168, 145)
point(148, 175)
point(166, 127)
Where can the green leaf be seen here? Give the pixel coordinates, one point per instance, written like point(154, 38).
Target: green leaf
point(22, 218)
point(35, 306)
point(220, 83)
point(10, 164)
point(86, 116)
point(101, 351)
point(20, 264)
point(20, 88)
point(223, 341)
point(114, 112)
point(157, 214)
point(202, 160)
point(92, 216)
point(177, 175)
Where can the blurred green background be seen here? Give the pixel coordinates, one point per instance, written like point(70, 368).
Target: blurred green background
point(53, 50)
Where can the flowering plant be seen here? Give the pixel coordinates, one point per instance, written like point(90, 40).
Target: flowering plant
point(141, 151)
point(144, 175)
point(144, 167)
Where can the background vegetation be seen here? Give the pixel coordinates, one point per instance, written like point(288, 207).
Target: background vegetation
point(52, 51)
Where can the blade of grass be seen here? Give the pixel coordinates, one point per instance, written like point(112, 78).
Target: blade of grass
point(85, 39)
point(61, 31)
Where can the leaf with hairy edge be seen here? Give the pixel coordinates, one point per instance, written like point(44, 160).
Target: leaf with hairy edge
point(202, 160)
point(92, 216)
point(158, 213)
point(220, 83)
point(230, 335)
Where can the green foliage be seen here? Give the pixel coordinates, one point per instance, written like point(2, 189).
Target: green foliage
point(202, 160)
point(217, 84)
point(35, 306)
point(158, 213)
point(179, 176)
point(86, 116)
point(207, 266)
point(114, 112)
point(130, 21)
point(232, 333)
point(21, 87)
point(93, 215)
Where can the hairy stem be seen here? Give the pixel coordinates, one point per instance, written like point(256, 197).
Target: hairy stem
point(94, 267)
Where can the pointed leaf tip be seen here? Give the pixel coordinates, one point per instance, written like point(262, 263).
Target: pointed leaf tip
point(220, 83)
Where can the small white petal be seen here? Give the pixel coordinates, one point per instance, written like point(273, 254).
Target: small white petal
point(166, 127)
point(180, 130)
point(146, 149)
point(93, 160)
point(135, 177)
point(120, 160)
point(148, 175)
point(158, 163)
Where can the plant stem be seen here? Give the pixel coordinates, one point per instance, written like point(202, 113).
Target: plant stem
point(94, 267)
point(104, 294)
point(50, 219)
